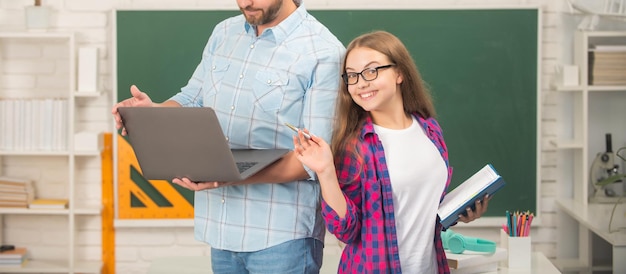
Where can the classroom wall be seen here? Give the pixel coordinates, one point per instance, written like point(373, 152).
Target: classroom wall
point(136, 247)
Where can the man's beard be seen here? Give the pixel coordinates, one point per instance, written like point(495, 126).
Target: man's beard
point(266, 16)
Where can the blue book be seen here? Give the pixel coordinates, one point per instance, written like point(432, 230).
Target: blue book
point(485, 181)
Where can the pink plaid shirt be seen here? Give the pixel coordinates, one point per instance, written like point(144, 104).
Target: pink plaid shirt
point(369, 227)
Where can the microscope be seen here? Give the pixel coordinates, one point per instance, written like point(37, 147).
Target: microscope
point(604, 176)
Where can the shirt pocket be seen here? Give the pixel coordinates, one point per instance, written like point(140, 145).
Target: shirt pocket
point(214, 77)
point(270, 88)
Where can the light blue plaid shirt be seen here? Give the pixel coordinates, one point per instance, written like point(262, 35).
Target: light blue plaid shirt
point(290, 73)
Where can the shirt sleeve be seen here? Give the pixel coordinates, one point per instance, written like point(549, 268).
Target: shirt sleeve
point(321, 94)
point(346, 229)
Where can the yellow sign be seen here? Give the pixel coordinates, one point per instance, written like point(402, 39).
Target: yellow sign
point(139, 198)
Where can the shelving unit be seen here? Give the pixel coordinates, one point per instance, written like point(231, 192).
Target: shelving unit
point(588, 112)
point(58, 61)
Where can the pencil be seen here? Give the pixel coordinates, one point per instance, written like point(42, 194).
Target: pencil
point(523, 226)
point(530, 220)
point(513, 224)
point(292, 127)
point(508, 223)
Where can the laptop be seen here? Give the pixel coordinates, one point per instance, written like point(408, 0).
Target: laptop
point(176, 142)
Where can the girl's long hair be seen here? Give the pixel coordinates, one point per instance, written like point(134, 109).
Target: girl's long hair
point(350, 116)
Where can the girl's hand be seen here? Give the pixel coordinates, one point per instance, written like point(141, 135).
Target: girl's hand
point(314, 153)
point(481, 207)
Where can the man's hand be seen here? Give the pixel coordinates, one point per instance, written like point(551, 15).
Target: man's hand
point(138, 99)
point(195, 186)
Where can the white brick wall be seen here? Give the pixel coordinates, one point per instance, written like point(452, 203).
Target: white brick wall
point(137, 247)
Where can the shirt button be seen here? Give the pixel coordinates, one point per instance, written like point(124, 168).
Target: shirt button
point(223, 201)
point(252, 46)
point(240, 76)
point(232, 107)
point(269, 81)
point(214, 67)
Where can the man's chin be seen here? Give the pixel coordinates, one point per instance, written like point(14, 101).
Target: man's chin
point(252, 21)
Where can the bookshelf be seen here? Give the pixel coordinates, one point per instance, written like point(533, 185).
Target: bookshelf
point(41, 67)
point(588, 113)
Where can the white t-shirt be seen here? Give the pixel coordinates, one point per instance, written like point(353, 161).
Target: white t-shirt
point(418, 176)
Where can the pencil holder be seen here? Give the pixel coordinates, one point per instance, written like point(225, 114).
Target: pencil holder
point(518, 251)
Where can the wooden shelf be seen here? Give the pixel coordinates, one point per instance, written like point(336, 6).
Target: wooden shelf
point(590, 88)
point(38, 266)
point(86, 153)
point(83, 210)
point(588, 112)
point(28, 211)
point(88, 210)
point(34, 153)
point(36, 35)
point(87, 94)
point(569, 144)
point(562, 88)
point(606, 88)
point(53, 266)
point(56, 169)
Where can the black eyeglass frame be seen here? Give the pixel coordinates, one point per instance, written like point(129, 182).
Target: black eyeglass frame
point(344, 76)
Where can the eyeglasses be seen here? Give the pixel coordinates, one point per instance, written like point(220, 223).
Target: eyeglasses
point(368, 74)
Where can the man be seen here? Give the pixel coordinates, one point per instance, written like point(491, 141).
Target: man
point(273, 64)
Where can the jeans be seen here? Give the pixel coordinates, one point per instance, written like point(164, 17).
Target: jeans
point(301, 256)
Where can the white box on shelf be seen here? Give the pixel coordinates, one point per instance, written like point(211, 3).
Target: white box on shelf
point(37, 18)
point(87, 69)
point(569, 75)
point(87, 141)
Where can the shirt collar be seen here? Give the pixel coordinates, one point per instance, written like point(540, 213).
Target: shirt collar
point(368, 125)
point(281, 31)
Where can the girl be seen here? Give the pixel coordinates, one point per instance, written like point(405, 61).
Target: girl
point(387, 170)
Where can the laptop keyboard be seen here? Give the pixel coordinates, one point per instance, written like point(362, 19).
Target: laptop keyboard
point(243, 166)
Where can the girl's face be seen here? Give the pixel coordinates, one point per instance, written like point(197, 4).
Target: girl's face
point(381, 93)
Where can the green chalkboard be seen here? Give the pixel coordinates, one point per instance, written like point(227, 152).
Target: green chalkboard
point(481, 65)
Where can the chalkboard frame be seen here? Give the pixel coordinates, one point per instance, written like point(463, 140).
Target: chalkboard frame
point(382, 19)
